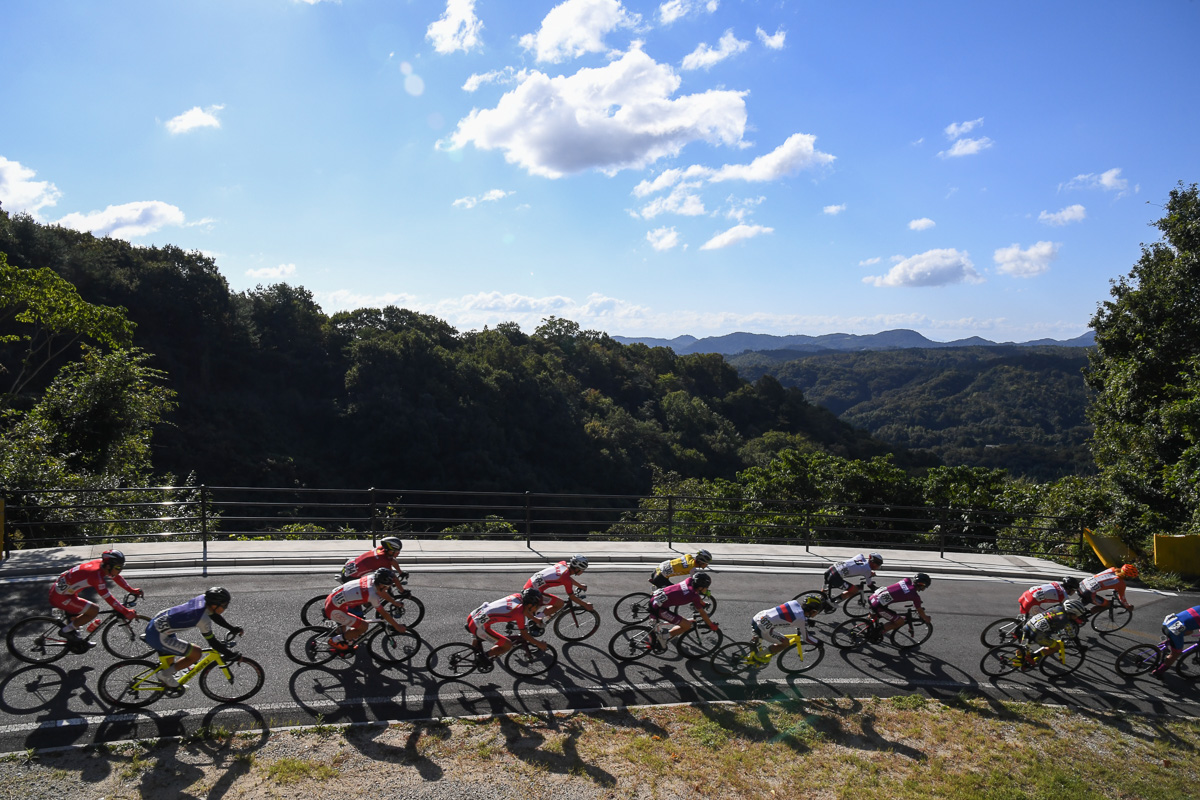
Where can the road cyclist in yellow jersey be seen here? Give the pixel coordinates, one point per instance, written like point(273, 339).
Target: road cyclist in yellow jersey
point(679, 568)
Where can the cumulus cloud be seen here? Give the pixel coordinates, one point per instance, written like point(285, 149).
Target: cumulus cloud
point(126, 221)
point(487, 197)
point(272, 273)
point(682, 200)
point(506, 75)
point(672, 10)
point(456, 29)
point(662, 238)
point(346, 300)
point(772, 41)
point(194, 118)
point(740, 209)
point(833, 211)
point(966, 147)
point(795, 154)
point(734, 235)
point(576, 27)
point(931, 268)
point(704, 56)
point(1028, 263)
point(956, 129)
point(922, 224)
point(20, 193)
point(1109, 181)
point(866, 262)
point(1066, 216)
point(610, 118)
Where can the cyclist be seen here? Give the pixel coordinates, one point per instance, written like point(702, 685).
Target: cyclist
point(561, 574)
point(792, 614)
point(675, 567)
point(846, 574)
point(1047, 594)
point(515, 608)
point(1111, 578)
point(375, 589)
point(382, 556)
point(691, 590)
point(95, 574)
point(199, 612)
point(1175, 627)
point(1039, 630)
point(906, 591)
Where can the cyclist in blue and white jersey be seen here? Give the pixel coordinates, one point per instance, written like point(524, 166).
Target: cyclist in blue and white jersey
point(199, 612)
point(1175, 627)
point(792, 614)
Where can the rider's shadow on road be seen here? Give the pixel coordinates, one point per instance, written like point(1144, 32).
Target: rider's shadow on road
point(366, 741)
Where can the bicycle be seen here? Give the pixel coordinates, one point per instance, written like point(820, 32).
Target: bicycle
point(135, 683)
point(311, 645)
point(1142, 658)
point(457, 660)
point(634, 607)
point(39, 639)
point(1110, 617)
point(1061, 658)
point(573, 622)
point(734, 658)
point(854, 633)
point(1102, 619)
point(856, 605)
point(638, 641)
point(408, 611)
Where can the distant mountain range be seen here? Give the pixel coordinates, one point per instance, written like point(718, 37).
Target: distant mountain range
point(734, 343)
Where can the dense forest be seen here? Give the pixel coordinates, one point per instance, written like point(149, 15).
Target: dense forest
point(1022, 409)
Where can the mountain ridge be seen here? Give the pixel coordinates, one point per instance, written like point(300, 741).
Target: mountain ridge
point(898, 339)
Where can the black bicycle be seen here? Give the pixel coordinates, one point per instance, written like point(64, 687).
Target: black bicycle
point(854, 633)
point(857, 605)
point(311, 645)
point(408, 610)
point(573, 622)
point(40, 640)
point(457, 659)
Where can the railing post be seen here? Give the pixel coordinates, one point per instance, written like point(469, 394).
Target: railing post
point(670, 521)
point(528, 522)
point(204, 527)
point(945, 522)
point(3, 530)
point(371, 524)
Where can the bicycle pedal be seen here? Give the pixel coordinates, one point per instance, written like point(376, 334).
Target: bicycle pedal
point(487, 666)
point(177, 691)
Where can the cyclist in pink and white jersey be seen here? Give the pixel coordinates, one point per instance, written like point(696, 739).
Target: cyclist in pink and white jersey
point(561, 574)
point(515, 608)
point(95, 574)
point(906, 591)
point(374, 589)
point(690, 591)
point(382, 556)
point(1053, 593)
point(1112, 578)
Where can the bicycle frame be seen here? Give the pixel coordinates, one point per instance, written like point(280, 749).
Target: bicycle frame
point(146, 683)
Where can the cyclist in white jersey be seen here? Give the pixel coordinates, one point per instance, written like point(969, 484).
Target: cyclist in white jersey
point(371, 589)
point(792, 614)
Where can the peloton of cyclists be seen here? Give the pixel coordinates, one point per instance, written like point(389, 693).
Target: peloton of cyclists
point(1112, 578)
point(516, 608)
point(678, 567)
point(906, 591)
point(561, 574)
point(95, 574)
point(199, 612)
point(792, 614)
point(375, 588)
point(690, 591)
point(1054, 593)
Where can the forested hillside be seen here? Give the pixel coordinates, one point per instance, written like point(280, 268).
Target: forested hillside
point(1017, 408)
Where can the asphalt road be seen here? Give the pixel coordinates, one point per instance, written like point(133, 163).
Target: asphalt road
point(57, 705)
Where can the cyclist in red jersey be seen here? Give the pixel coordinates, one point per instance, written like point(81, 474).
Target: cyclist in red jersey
point(515, 608)
point(1053, 593)
point(1112, 578)
point(373, 589)
point(383, 556)
point(95, 574)
point(561, 574)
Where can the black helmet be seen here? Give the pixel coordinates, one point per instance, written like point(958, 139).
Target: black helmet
point(531, 597)
point(385, 577)
point(391, 544)
point(701, 580)
point(112, 558)
point(921, 579)
point(1070, 584)
point(217, 596)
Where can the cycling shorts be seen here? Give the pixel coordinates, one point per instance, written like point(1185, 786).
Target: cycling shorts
point(659, 580)
point(1092, 598)
point(340, 615)
point(1034, 635)
point(1174, 629)
point(169, 645)
point(879, 608)
point(72, 604)
point(765, 630)
point(665, 614)
point(480, 631)
point(834, 579)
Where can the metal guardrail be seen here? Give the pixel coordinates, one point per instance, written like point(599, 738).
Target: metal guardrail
point(60, 517)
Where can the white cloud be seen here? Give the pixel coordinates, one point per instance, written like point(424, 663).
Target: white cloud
point(956, 129)
point(740, 209)
point(866, 262)
point(620, 116)
point(833, 211)
point(487, 197)
point(314, 2)
point(966, 147)
point(457, 29)
point(126, 221)
point(672, 10)
point(662, 238)
point(669, 178)
point(346, 300)
point(272, 273)
point(931, 268)
point(682, 200)
point(922, 224)
point(1109, 181)
point(704, 57)
point(772, 41)
point(1026, 263)
point(576, 27)
point(795, 154)
point(734, 235)
point(508, 75)
point(193, 118)
point(19, 193)
point(1066, 216)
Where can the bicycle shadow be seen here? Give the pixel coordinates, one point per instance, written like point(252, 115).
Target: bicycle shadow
point(532, 747)
point(365, 739)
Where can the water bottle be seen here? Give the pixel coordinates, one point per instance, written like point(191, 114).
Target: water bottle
point(93, 625)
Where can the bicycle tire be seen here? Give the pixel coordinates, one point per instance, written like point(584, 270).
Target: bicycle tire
point(857, 606)
point(453, 660)
point(789, 660)
point(1000, 660)
point(124, 639)
point(528, 661)
point(699, 642)
point(1073, 658)
point(850, 635)
point(633, 608)
point(1111, 619)
point(408, 612)
point(730, 659)
point(37, 640)
point(389, 647)
point(632, 642)
point(1188, 665)
point(904, 639)
point(1001, 631)
point(116, 684)
point(234, 682)
point(576, 624)
point(310, 646)
point(1138, 660)
point(312, 613)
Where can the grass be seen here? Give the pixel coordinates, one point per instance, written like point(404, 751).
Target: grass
point(295, 770)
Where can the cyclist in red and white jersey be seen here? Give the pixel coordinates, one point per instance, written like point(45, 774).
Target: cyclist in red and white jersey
point(515, 608)
point(374, 589)
point(1112, 578)
point(690, 591)
point(792, 614)
point(382, 556)
point(1053, 593)
point(561, 574)
point(95, 574)
point(906, 591)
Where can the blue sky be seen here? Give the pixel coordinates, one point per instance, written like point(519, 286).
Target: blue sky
point(643, 168)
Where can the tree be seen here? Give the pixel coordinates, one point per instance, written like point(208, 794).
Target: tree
point(1146, 374)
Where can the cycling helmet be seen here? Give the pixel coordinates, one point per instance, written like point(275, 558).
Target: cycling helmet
point(391, 544)
point(1070, 584)
point(1074, 607)
point(578, 562)
point(531, 597)
point(704, 555)
point(217, 596)
point(112, 558)
point(875, 560)
point(385, 577)
point(702, 580)
point(1129, 571)
point(812, 606)
point(921, 579)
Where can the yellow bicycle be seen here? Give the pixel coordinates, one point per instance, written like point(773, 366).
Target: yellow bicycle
point(226, 679)
point(738, 657)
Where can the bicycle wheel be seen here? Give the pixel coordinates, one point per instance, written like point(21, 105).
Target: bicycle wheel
point(1188, 665)
point(313, 612)
point(453, 660)
point(1001, 660)
point(130, 684)
point(913, 633)
point(234, 682)
point(710, 605)
point(37, 640)
point(1139, 659)
point(576, 624)
point(632, 642)
point(1001, 631)
point(699, 641)
point(790, 661)
point(857, 606)
point(1072, 659)
point(408, 612)
point(730, 659)
point(389, 647)
point(632, 608)
point(850, 634)
point(124, 639)
point(309, 646)
point(1111, 619)
point(526, 660)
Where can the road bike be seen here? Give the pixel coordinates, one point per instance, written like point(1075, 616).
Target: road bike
point(408, 609)
point(856, 605)
point(634, 607)
point(638, 641)
point(1142, 658)
point(573, 622)
point(457, 659)
point(854, 633)
point(736, 658)
point(1102, 619)
point(40, 640)
point(311, 645)
point(1062, 657)
point(228, 678)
